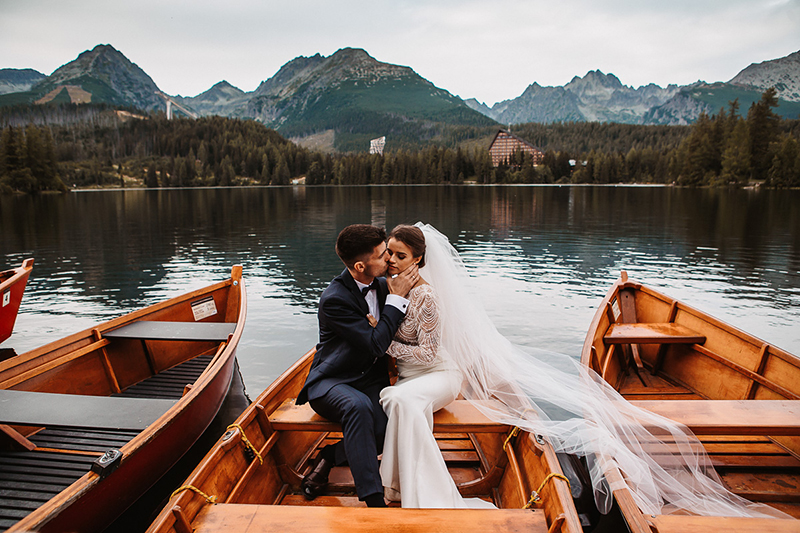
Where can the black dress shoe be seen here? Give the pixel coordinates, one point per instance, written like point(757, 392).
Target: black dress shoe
point(314, 483)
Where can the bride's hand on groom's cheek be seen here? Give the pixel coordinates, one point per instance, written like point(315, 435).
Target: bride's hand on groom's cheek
point(404, 281)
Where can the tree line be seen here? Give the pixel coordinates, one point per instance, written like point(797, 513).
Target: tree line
point(44, 147)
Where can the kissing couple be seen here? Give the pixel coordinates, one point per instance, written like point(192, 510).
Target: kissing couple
point(380, 307)
point(410, 297)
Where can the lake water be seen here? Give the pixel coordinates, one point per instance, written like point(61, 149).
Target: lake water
point(542, 257)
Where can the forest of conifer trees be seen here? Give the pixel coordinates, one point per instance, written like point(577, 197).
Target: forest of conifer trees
point(55, 147)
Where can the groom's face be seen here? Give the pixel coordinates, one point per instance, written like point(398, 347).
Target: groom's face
point(375, 266)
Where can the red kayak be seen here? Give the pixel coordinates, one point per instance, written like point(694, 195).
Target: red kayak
point(12, 285)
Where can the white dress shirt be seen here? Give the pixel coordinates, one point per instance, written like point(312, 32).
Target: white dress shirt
point(372, 300)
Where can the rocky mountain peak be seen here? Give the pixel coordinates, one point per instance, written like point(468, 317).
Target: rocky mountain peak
point(594, 79)
point(783, 74)
point(351, 65)
point(225, 87)
point(14, 80)
point(221, 99)
point(108, 75)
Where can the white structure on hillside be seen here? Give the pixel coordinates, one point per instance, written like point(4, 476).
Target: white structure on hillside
point(170, 103)
point(376, 145)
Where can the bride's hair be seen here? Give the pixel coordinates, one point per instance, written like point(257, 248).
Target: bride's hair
point(412, 237)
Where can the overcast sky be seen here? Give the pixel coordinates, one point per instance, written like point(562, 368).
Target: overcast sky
point(487, 49)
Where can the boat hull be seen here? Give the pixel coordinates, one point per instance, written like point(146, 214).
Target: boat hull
point(12, 287)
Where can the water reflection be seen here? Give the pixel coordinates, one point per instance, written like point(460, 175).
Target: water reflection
point(541, 256)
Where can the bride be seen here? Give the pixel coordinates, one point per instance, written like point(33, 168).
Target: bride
point(428, 380)
point(448, 345)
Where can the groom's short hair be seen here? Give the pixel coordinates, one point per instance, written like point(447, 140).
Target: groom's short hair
point(357, 241)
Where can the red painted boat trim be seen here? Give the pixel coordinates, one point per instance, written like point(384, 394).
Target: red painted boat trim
point(12, 288)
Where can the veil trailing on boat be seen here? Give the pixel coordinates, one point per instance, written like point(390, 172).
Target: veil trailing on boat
point(662, 463)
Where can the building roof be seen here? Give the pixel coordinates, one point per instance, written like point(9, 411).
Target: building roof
point(521, 141)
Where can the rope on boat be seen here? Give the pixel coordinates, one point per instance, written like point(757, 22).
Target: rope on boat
point(514, 433)
point(535, 497)
point(246, 441)
point(516, 430)
point(209, 499)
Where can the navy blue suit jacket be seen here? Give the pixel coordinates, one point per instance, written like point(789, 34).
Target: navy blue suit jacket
point(348, 346)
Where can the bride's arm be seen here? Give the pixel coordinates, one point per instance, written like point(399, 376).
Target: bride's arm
point(428, 335)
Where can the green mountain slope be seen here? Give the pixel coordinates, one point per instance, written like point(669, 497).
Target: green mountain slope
point(358, 98)
point(718, 95)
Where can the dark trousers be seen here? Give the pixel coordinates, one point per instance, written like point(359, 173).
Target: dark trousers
point(356, 407)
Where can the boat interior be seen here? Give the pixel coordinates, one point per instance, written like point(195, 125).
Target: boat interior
point(262, 459)
point(68, 403)
point(738, 394)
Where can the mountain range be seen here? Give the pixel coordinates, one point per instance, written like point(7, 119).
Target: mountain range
point(351, 97)
point(603, 98)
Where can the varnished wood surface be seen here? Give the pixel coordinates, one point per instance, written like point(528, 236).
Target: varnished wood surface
point(458, 417)
point(652, 333)
point(731, 417)
point(717, 524)
point(474, 452)
point(698, 370)
point(307, 519)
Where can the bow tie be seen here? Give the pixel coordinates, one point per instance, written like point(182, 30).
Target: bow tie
point(372, 286)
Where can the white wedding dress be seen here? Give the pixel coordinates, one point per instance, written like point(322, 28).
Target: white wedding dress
point(447, 339)
point(412, 467)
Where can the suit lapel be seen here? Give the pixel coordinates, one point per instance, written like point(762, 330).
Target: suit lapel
point(383, 292)
point(350, 283)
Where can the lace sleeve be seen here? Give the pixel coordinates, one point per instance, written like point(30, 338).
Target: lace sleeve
point(426, 326)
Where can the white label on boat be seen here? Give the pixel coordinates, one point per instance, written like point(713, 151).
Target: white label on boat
point(204, 308)
point(615, 308)
point(6, 298)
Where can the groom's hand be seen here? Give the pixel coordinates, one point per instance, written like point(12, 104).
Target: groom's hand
point(404, 281)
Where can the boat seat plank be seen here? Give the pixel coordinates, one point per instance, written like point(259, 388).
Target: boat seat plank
point(731, 417)
point(243, 518)
point(718, 524)
point(458, 417)
point(73, 410)
point(174, 331)
point(652, 333)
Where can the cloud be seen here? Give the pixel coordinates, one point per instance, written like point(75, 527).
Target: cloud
point(488, 50)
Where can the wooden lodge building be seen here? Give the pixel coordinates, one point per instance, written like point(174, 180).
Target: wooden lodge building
point(505, 144)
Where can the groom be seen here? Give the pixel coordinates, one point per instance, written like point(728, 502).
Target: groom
point(349, 368)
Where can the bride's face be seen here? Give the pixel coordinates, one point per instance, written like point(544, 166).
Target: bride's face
point(400, 257)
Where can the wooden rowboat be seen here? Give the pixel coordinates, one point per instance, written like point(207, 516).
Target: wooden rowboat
point(12, 286)
point(739, 394)
point(90, 422)
point(253, 475)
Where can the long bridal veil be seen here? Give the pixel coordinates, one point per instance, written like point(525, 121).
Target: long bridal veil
point(663, 463)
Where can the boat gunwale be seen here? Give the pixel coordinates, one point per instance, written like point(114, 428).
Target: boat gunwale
point(14, 274)
point(65, 343)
